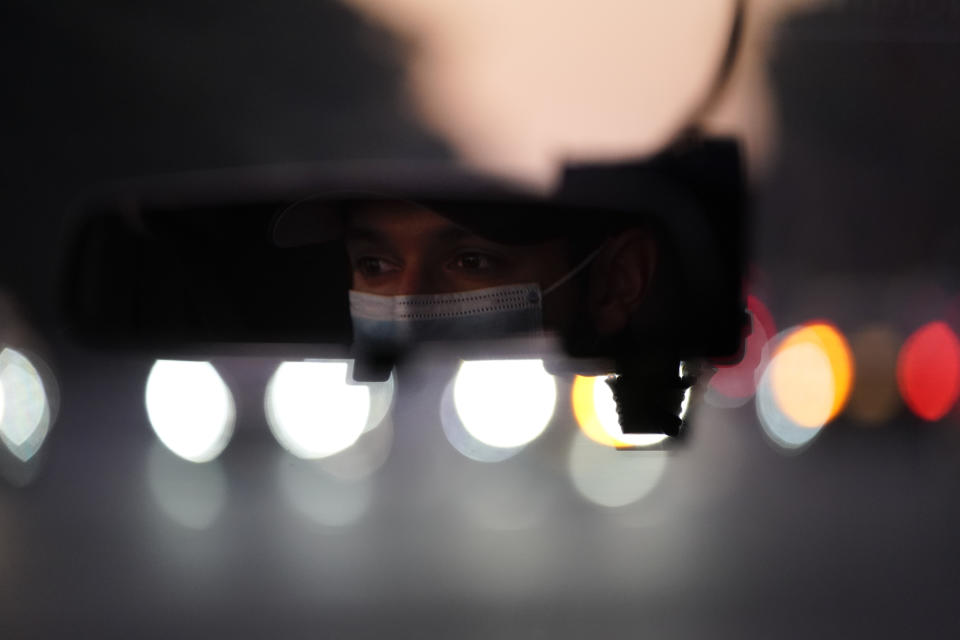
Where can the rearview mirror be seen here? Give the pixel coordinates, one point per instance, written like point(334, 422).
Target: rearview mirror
point(626, 263)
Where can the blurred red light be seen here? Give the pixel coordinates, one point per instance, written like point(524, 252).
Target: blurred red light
point(740, 380)
point(928, 371)
point(762, 315)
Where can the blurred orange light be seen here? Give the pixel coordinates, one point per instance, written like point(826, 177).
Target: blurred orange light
point(928, 371)
point(812, 373)
point(584, 410)
point(595, 411)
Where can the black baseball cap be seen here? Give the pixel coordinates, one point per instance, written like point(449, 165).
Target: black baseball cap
point(686, 193)
point(497, 209)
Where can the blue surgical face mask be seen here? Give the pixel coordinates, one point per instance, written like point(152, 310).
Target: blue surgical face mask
point(395, 322)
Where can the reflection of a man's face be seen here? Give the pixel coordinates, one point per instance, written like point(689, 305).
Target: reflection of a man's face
point(403, 249)
point(399, 249)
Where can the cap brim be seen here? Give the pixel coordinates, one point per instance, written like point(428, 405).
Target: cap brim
point(508, 218)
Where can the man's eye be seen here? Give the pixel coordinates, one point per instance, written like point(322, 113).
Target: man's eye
point(371, 266)
point(474, 262)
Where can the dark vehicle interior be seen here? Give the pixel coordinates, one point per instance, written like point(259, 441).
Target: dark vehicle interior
point(712, 390)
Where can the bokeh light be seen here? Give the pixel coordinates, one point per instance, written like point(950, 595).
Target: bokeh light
point(27, 413)
point(596, 413)
point(192, 495)
point(806, 384)
point(315, 410)
point(364, 457)
point(811, 374)
point(928, 371)
point(502, 83)
point(777, 425)
point(611, 478)
point(462, 440)
point(734, 385)
point(504, 403)
point(803, 384)
point(190, 408)
point(874, 398)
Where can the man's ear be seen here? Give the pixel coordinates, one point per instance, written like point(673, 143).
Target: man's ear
point(620, 278)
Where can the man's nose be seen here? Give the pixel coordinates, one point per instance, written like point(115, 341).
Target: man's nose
point(416, 279)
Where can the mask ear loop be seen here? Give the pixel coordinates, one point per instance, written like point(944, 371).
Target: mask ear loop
point(576, 270)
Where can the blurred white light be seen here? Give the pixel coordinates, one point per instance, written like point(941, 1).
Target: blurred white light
point(364, 457)
point(612, 478)
point(777, 425)
point(26, 414)
point(685, 403)
point(323, 498)
point(461, 439)
point(313, 410)
point(193, 495)
point(504, 403)
point(190, 408)
point(606, 408)
point(381, 400)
